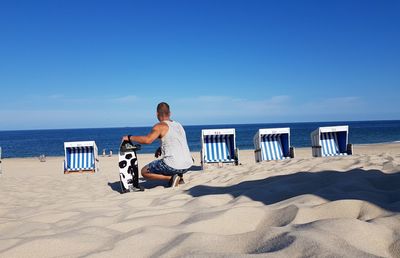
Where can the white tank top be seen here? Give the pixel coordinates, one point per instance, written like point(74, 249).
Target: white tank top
point(174, 147)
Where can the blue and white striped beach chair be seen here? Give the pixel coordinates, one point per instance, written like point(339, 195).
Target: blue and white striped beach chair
point(331, 141)
point(80, 157)
point(272, 144)
point(218, 147)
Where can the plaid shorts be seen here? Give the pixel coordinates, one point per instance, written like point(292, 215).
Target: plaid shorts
point(159, 167)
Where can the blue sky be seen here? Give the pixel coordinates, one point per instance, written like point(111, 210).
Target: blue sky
point(74, 64)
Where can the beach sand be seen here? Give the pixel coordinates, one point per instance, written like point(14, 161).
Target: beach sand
point(339, 206)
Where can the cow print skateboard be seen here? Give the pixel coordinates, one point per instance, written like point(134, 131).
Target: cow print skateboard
point(128, 167)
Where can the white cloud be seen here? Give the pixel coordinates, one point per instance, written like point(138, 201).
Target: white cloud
point(60, 101)
point(337, 105)
point(83, 118)
point(129, 99)
point(58, 111)
point(49, 97)
point(229, 109)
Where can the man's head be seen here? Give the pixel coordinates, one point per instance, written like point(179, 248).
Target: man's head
point(163, 112)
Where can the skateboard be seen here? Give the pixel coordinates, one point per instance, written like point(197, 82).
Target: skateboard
point(128, 167)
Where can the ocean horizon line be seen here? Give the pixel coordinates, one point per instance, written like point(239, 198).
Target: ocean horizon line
point(196, 125)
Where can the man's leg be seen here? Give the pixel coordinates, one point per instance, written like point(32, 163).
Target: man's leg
point(153, 176)
point(158, 170)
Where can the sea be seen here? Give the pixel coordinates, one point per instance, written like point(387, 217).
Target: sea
point(33, 143)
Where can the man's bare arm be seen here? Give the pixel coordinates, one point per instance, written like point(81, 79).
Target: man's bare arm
point(148, 139)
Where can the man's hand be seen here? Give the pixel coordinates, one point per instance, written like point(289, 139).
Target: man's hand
point(125, 138)
point(158, 152)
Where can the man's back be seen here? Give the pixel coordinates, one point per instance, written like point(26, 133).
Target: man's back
point(174, 147)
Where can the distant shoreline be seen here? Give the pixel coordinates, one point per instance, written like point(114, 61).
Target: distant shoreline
point(302, 149)
point(51, 142)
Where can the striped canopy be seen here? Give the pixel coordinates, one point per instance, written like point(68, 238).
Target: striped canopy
point(271, 147)
point(79, 158)
point(329, 144)
point(219, 148)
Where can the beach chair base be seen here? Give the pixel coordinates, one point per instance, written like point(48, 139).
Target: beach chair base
point(291, 152)
point(92, 171)
point(209, 165)
point(205, 165)
point(258, 156)
point(317, 151)
point(236, 157)
point(349, 149)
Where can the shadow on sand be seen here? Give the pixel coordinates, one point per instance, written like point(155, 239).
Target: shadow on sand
point(195, 168)
point(372, 186)
point(115, 186)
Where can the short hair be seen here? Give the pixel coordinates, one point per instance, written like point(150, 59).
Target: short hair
point(163, 109)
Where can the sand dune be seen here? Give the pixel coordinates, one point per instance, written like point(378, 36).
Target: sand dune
point(341, 206)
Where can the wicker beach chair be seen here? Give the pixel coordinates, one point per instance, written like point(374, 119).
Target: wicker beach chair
point(218, 147)
point(331, 141)
point(80, 157)
point(272, 144)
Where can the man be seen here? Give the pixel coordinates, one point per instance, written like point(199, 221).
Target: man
point(176, 158)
